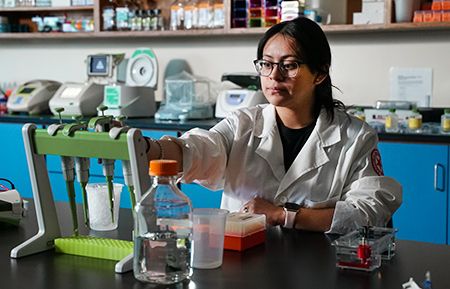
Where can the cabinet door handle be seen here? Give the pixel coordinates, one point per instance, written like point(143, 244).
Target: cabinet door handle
point(436, 168)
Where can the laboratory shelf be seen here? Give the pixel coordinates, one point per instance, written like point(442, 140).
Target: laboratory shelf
point(94, 11)
point(330, 29)
point(44, 9)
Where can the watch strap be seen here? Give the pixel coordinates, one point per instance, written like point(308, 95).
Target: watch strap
point(289, 219)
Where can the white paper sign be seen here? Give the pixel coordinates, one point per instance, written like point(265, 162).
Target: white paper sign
point(411, 84)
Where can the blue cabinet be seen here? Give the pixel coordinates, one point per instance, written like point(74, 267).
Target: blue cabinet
point(13, 165)
point(422, 170)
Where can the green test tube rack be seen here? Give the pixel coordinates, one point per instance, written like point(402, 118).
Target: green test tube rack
point(129, 146)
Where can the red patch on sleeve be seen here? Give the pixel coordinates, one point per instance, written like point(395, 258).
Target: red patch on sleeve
point(376, 162)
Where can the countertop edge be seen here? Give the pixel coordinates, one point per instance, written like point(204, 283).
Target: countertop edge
point(152, 124)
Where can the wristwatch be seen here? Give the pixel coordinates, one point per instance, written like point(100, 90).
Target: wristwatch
point(291, 210)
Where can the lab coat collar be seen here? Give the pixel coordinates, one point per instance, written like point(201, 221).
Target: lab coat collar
point(312, 156)
point(270, 146)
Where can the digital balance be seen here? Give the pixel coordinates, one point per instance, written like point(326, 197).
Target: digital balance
point(238, 91)
point(135, 98)
point(32, 97)
point(83, 98)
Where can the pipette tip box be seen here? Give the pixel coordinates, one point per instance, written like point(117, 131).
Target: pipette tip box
point(244, 231)
point(94, 247)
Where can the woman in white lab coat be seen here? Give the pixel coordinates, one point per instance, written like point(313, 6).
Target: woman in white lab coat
point(301, 159)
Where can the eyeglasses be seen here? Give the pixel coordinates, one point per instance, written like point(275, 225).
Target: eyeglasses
point(286, 68)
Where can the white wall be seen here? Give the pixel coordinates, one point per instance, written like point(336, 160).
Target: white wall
point(360, 67)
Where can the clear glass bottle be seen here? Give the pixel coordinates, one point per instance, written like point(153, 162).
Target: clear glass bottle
point(205, 14)
point(391, 124)
point(160, 21)
point(415, 121)
point(147, 20)
point(191, 14)
point(360, 113)
point(109, 17)
point(163, 228)
point(445, 121)
point(177, 15)
point(133, 19)
point(122, 16)
point(141, 17)
point(219, 17)
point(154, 21)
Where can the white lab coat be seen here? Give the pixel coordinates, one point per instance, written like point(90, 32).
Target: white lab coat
point(337, 167)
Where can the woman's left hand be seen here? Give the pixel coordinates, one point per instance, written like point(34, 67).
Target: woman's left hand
point(274, 214)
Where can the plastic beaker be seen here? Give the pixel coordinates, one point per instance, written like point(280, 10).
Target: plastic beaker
point(99, 206)
point(404, 10)
point(208, 239)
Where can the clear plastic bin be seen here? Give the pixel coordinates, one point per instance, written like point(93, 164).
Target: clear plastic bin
point(364, 249)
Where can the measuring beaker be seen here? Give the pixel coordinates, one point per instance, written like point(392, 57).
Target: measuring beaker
point(99, 206)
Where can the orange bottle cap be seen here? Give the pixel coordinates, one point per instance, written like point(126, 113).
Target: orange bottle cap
point(163, 168)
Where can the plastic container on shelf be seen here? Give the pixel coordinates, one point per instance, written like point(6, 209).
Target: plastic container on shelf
point(255, 22)
point(147, 20)
point(219, 16)
point(205, 14)
point(137, 20)
point(255, 3)
point(418, 16)
point(437, 16)
point(239, 23)
point(391, 121)
point(436, 5)
point(177, 15)
point(445, 5)
point(428, 16)
point(445, 15)
point(445, 122)
point(122, 16)
point(239, 14)
point(157, 21)
point(360, 113)
point(269, 22)
point(191, 14)
point(415, 121)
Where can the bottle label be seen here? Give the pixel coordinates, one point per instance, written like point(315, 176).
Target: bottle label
point(446, 125)
point(388, 122)
point(415, 123)
point(361, 117)
point(122, 14)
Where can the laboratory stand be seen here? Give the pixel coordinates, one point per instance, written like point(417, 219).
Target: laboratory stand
point(76, 144)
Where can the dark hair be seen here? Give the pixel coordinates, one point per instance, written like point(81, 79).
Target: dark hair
point(311, 46)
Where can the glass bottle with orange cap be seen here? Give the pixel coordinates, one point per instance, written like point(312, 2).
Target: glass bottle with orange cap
point(163, 228)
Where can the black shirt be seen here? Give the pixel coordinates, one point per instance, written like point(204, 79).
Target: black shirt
point(293, 141)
